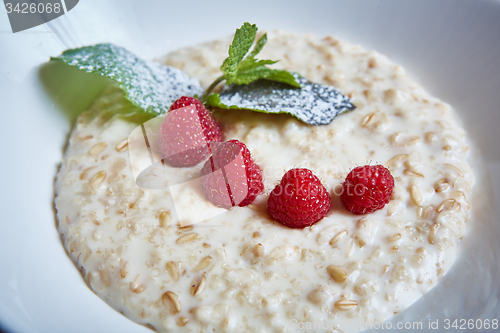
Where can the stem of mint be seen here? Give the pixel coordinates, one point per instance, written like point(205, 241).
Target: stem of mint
point(241, 67)
point(212, 86)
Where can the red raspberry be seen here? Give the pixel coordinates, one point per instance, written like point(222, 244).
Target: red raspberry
point(367, 189)
point(187, 133)
point(230, 177)
point(299, 200)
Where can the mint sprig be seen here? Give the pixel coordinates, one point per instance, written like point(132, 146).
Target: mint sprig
point(314, 104)
point(242, 68)
point(148, 85)
point(250, 84)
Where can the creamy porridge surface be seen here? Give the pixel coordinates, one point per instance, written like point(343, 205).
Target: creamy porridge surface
point(240, 271)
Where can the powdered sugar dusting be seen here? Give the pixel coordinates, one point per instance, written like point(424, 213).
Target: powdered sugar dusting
point(315, 104)
point(150, 86)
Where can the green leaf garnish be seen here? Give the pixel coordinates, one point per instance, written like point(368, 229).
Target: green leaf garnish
point(315, 104)
point(148, 85)
point(242, 68)
point(250, 84)
point(242, 41)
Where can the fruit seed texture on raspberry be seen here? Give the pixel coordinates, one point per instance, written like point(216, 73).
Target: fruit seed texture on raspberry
point(299, 200)
point(224, 176)
point(367, 189)
point(182, 137)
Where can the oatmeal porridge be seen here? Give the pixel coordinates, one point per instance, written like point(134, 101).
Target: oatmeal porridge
point(240, 271)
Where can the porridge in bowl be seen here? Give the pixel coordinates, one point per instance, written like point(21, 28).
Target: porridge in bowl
point(241, 271)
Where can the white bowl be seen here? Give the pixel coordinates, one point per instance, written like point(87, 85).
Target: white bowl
point(450, 47)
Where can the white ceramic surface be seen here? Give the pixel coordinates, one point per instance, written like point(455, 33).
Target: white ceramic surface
point(451, 47)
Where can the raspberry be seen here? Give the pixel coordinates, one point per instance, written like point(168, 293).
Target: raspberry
point(367, 189)
point(230, 177)
point(299, 200)
point(187, 133)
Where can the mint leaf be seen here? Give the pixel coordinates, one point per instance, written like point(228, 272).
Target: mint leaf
point(262, 72)
point(315, 104)
point(257, 48)
point(147, 85)
point(242, 41)
point(248, 66)
point(252, 74)
point(241, 67)
point(283, 77)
